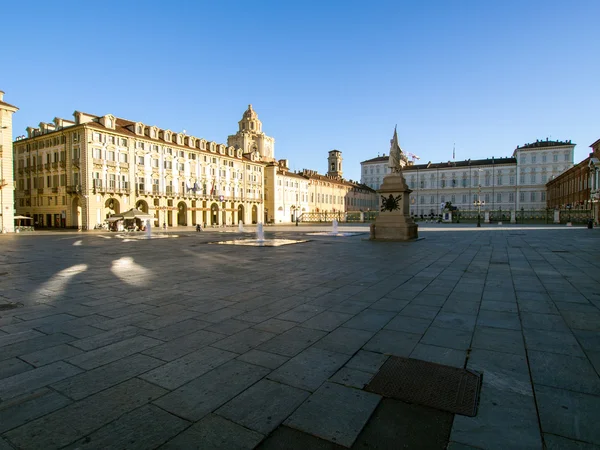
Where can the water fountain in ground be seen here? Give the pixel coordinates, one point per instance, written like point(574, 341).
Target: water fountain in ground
point(334, 231)
point(260, 240)
point(260, 234)
point(241, 227)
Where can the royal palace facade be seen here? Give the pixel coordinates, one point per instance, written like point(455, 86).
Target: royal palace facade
point(507, 184)
point(78, 173)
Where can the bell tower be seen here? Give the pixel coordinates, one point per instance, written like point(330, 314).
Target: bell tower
point(250, 137)
point(334, 164)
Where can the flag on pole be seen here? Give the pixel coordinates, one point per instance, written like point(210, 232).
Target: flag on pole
point(212, 191)
point(453, 151)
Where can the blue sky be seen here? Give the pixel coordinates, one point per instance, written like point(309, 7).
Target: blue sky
point(483, 75)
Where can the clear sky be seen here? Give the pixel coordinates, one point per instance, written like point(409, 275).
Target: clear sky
point(483, 75)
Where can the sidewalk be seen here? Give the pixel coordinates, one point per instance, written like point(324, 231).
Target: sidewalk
point(177, 343)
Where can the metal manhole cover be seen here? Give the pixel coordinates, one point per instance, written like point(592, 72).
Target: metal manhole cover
point(7, 306)
point(429, 384)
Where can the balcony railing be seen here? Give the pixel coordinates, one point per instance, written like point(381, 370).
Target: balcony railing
point(27, 192)
point(74, 189)
point(55, 165)
point(40, 167)
point(76, 162)
point(47, 166)
point(63, 164)
point(40, 190)
point(55, 190)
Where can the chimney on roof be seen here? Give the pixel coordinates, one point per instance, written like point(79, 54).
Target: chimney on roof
point(1, 96)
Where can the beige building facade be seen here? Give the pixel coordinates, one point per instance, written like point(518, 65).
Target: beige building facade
point(77, 173)
point(7, 185)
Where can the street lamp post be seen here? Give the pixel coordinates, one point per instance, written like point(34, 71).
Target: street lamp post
point(478, 203)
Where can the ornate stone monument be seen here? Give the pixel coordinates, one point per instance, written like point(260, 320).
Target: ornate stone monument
point(394, 222)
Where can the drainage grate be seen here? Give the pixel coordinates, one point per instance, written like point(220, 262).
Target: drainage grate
point(429, 384)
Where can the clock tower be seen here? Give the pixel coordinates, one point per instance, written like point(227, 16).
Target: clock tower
point(251, 139)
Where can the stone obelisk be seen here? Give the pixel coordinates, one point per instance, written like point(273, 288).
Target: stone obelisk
point(394, 222)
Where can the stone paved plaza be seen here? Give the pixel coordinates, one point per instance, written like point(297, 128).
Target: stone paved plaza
point(108, 341)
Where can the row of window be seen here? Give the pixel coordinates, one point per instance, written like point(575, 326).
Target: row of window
point(533, 158)
point(500, 197)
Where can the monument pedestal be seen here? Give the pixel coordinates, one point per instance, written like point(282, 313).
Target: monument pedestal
point(394, 222)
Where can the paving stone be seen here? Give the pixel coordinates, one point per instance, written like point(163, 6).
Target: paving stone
point(499, 319)
point(499, 340)
point(212, 433)
point(455, 321)
point(290, 439)
point(390, 304)
point(396, 424)
point(146, 427)
point(130, 319)
point(553, 342)
point(50, 355)
point(350, 306)
point(276, 326)
point(447, 337)
point(178, 372)
point(537, 306)
point(26, 408)
point(177, 330)
point(128, 310)
point(420, 311)
point(324, 416)
point(113, 352)
point(408, 324)
point(504, 420)
point(586, 308)
point(96, 380)
point(582, 321)
point(292, 341)
point(537, 321)
point(19, 336)
point(393, 343)
point(263, 406)
point(73, 422)
point(370, 320)
point(344, 340)
point(327, 321)
point(563, 371)
point(461, 307)
point(301, 313)
point(264, 359)
point(229, 327)
point(367, 361)
point(352, 377)
point(309, 369)
point(206, 393)
point(554, 442)
point(502, 371)
point(106, 338)
point(569, 414)
point(34, 344)
point(493, 305)
point(183, 345)
point(429, 300)
point(440, 355)
point(244, 340)
point(31, 380)
point(222, 314)
point(31, 324)
point(174, 319)
point(13, 366)
point(210, 306)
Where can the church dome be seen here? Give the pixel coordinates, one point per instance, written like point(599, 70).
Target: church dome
point(250, 113)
